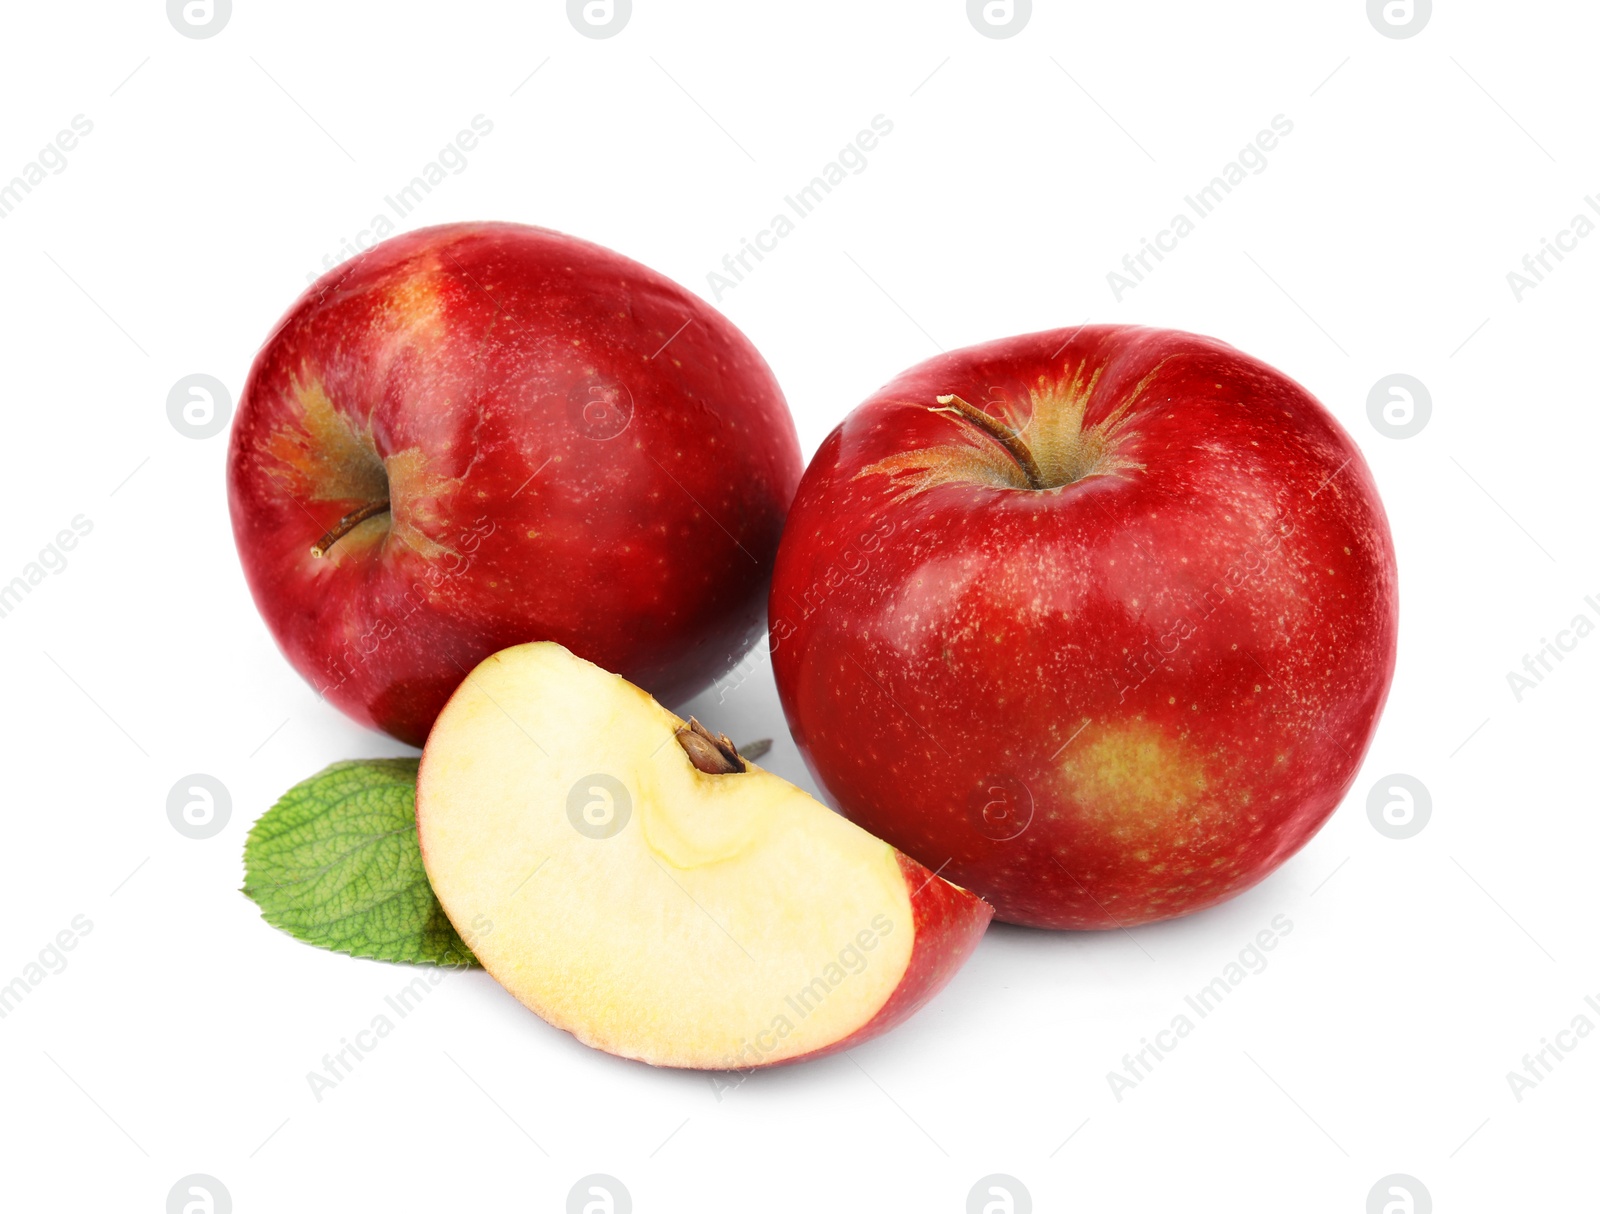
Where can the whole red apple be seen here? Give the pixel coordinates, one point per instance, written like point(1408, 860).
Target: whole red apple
point(1096, 623)
point(477, 435)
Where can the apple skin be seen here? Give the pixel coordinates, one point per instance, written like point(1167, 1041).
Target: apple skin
point(1107, 702)
point(573, 448)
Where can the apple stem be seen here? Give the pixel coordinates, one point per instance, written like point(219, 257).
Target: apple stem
point(711, 752)
point(346, 525)
point(1000, 432)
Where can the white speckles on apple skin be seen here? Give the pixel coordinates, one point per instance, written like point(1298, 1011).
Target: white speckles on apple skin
point(1022, 633)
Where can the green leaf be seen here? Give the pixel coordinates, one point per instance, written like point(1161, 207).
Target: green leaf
point(335, 863)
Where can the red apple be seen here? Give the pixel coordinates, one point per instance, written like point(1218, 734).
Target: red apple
point(1105, 645)
point(482, 434)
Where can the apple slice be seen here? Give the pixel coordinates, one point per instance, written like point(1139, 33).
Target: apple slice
point(638, 884)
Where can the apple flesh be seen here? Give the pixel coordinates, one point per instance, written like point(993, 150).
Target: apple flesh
point(635, 882)
point(481, 434)
point(1098, 623)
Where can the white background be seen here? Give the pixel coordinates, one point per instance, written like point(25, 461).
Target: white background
point(1019, 172)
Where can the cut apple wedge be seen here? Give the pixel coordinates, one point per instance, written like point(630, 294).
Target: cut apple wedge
point(635, 882)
